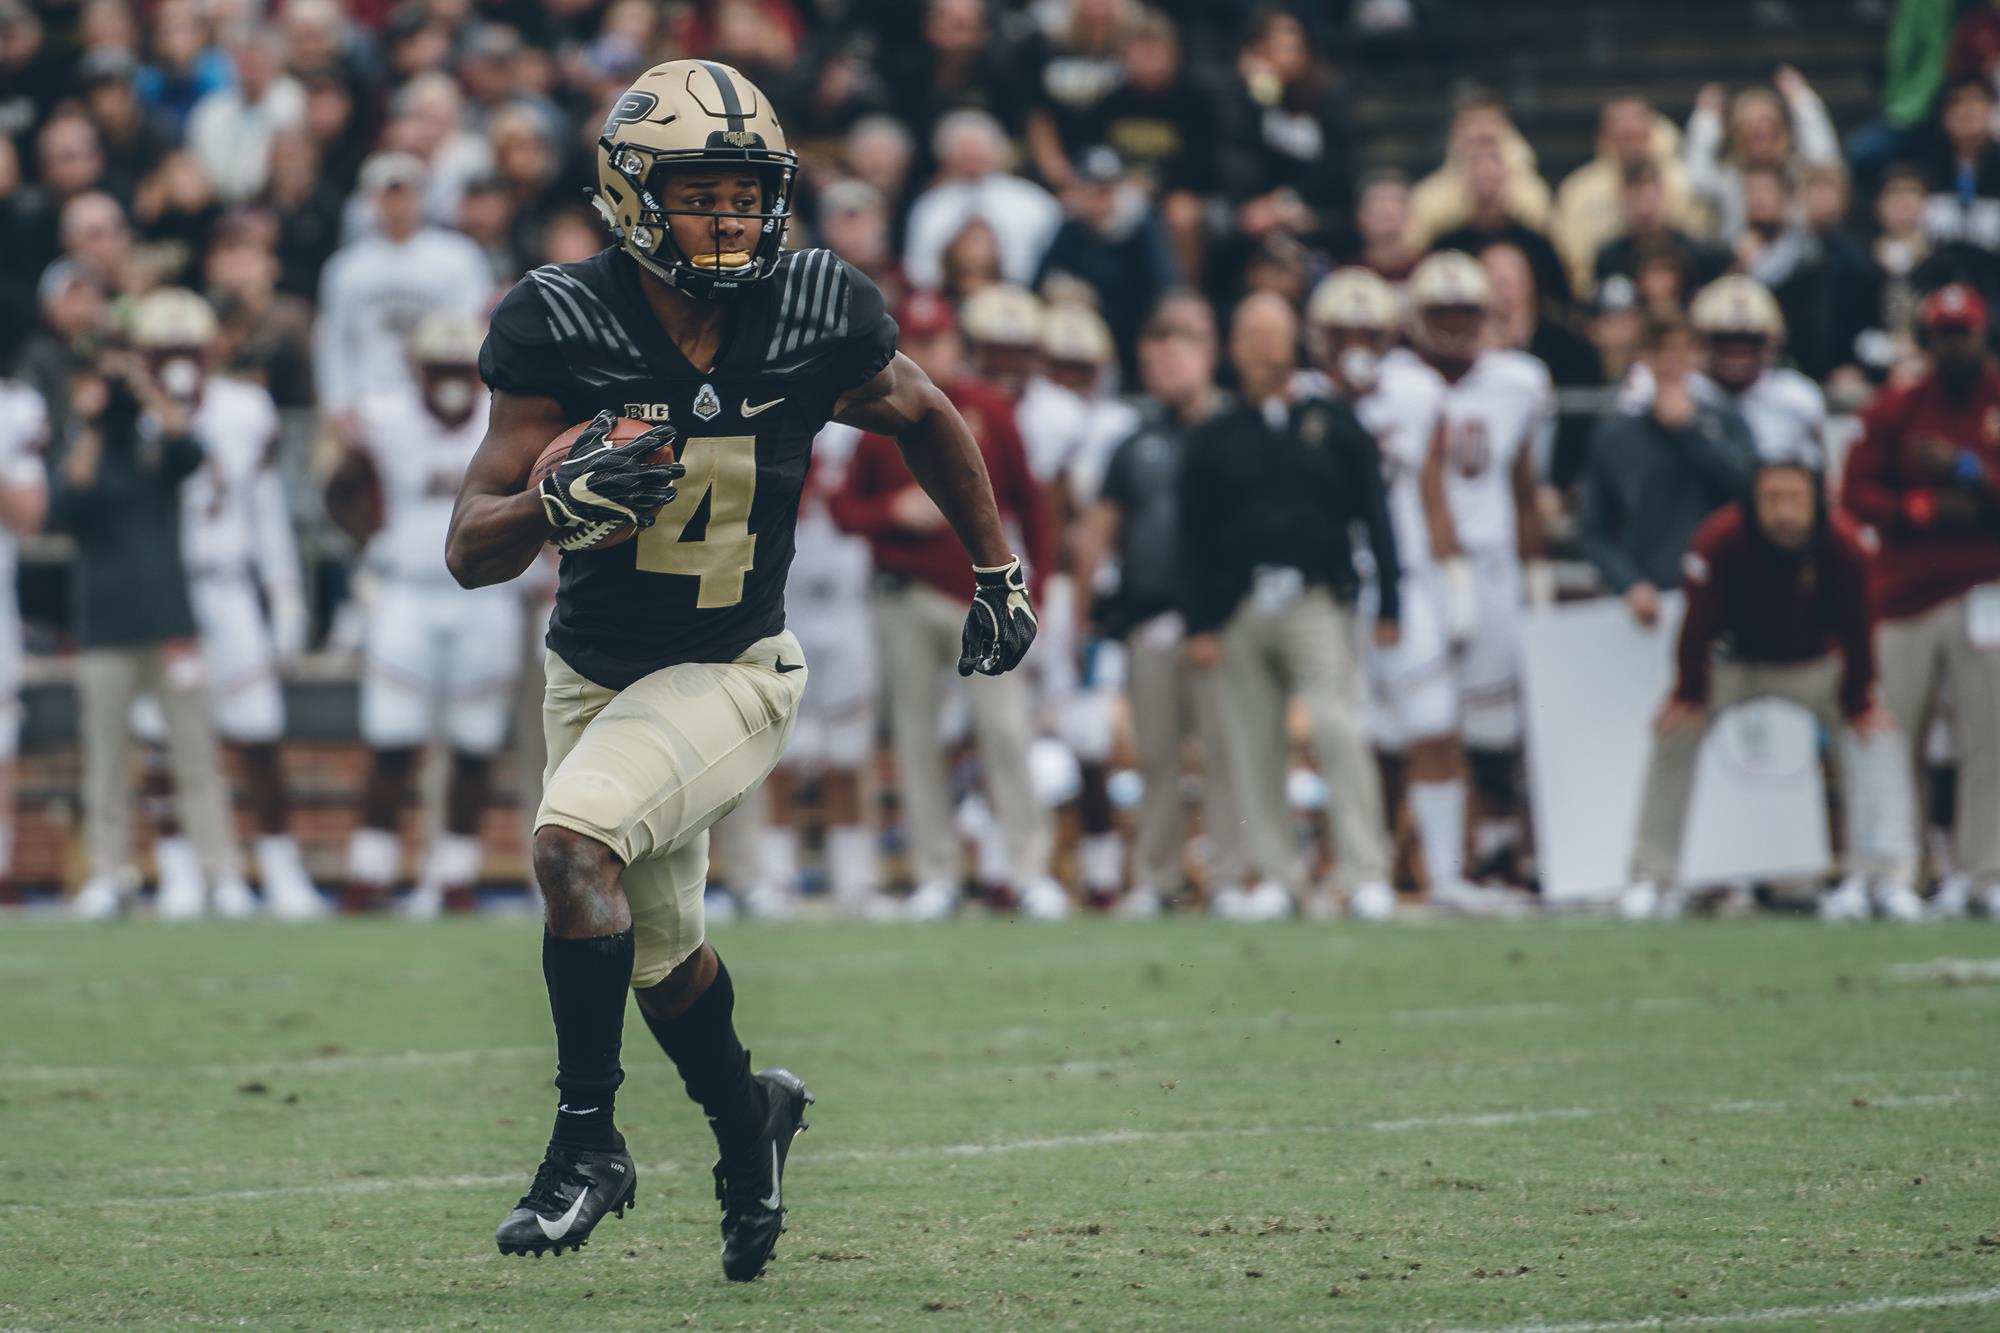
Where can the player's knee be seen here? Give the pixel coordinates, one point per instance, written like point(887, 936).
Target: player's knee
point(669, 998)
point(569, 866)
point(1493, 776)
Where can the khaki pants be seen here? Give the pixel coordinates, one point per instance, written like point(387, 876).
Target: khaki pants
point(1171, 701)
point(111, 678)
point(1873, 778)
point(1912, 653)
point(920, 631)
point(645, 770)
point(1307, 650)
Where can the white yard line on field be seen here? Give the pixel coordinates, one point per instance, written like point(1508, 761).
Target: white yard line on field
point(993, 1148)
point(1943, 1300)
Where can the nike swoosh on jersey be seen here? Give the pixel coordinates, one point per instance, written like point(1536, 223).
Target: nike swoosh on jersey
point(777, 1186)
point(560, 1227)
point(749, 411)
point(782, 666)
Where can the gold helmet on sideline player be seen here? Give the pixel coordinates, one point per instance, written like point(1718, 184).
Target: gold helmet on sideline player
point(1741, 324)
point(683, 114)
point(1451, 296)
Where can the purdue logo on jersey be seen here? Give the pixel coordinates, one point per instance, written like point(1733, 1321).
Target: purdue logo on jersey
point(652, 413)
point(706, 405)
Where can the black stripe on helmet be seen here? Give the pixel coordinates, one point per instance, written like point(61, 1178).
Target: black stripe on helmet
point(732, 106)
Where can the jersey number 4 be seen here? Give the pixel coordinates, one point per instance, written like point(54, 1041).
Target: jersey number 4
point(722, 468)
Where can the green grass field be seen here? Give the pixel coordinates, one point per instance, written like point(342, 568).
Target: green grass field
point(1092, 1127)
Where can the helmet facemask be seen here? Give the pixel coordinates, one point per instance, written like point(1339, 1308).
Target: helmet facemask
point(715, 274)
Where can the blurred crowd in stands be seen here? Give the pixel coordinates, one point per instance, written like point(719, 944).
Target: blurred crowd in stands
point(1068, 187)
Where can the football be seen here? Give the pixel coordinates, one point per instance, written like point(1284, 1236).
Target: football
point(623, 431)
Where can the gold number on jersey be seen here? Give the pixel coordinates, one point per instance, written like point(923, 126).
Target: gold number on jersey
point(723, 468)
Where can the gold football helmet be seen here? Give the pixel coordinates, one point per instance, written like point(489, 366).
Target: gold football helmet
point(692, 113)
point(1737, 305)
point(1354, 298)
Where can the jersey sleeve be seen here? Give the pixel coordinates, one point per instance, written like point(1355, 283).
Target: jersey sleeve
point(522, 353)
point(869, 334)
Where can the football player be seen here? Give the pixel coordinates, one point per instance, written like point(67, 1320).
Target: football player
point(672, 682)
point(435, 651)
point(24, 503)
point(1478, 484)
point(1070, 423)
point(1352, 322)
point(236, 538)
point(1002, 324)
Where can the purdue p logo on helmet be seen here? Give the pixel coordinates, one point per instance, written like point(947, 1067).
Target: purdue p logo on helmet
point(687, 114)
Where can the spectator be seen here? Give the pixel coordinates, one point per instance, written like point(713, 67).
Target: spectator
point(1079, 62)
point(118, 493)
point(1288, 167)
point(230, 130)
point(1778, 607)
point(133, 142)
point(1618, 327)
point(1899, 252)
point(1777, 131)
point(73, 301)
point(69, 161)
point(24, 503)
point(971, 263)
point(94, 233)
point(1926, 476)
point(1643, 208)
point(1488, 222)
point(921, 584)
point(1114, 242)
point(960, 65)
point(32, 77)
point(1519, 320)
point(185, 67)
point(1267, 589)
point(1836, 293)
point(1160, 122)
point(879, 150)
point(1773, 243)
point(266, 334)
point(1656, 471)
point(1382, 227)
point(307, 206)
point(1962, 212)
point(335, 131)
point(427, 119)
point(375, 289)
point(854, 224)
point(973, 182)
point(1593, 205)
point(1440, 201)
point(175, 210)
point(1135, 521)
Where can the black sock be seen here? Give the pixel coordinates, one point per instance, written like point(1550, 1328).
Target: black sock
point(587, 981)
point(713, 1064)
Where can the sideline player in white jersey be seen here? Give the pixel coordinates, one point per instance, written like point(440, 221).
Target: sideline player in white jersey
point(435, 651)
point(24, 503)
point(1071, 423)
point(1742, 330)
point(1479, 487)
point(1352, 321)
point(827, 605)
point(237, 542)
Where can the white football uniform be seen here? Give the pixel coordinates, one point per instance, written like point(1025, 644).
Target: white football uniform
point(221, 535)
point(371, 296)
point(1412, 694)
point(1069, 439)
point(828, 607)
point(1786, 412)
point(1503, 405)
point(24, 422)
point(431, 645)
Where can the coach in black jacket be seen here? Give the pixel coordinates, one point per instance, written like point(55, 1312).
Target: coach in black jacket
point(1269, 500)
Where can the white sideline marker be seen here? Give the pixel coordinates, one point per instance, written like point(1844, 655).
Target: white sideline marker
point(1943, 1300)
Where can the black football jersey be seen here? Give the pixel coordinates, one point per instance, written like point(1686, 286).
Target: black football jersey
point(708, 578)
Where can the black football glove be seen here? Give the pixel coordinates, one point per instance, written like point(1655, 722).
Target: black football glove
point(601, 486)
point(1000, 625)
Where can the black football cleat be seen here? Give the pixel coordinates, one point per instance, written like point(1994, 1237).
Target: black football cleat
point(574, 1188)
point(750, 1184)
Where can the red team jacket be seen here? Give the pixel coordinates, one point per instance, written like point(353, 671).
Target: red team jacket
point(876, 473)
point(1776, 607)
point(1913, 437)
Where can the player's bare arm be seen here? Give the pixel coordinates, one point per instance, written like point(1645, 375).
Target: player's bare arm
point(498, 525)
point(938, 447)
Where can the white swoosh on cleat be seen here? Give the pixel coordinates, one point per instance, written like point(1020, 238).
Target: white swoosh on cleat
point(777, 1186)
point(560, 1227)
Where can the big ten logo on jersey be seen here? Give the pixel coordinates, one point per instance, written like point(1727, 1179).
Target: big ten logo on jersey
point(1471, 449)
point(650, 413)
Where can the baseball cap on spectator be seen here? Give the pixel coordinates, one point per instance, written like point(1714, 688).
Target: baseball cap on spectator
point(59, 277)
point(385, 170)
point(1100, 165)
point(1616, 295)
point(107, 64)
point(925, 314)
point(849, 196)
point(1953, 306)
